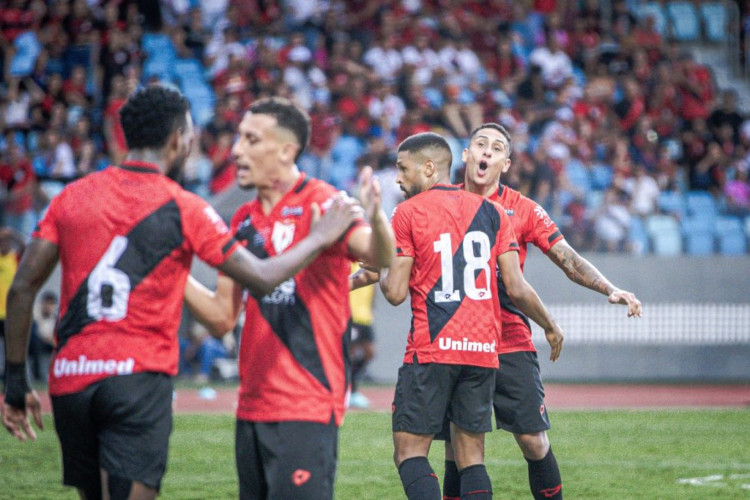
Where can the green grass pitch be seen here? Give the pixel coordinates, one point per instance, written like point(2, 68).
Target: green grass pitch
point(661, 454)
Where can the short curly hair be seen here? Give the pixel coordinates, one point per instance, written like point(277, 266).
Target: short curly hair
point(151, 114)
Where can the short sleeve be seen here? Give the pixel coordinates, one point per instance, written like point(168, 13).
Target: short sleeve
point(543, 231)
point(402, 232)
point(206, 232)
point(47, 229)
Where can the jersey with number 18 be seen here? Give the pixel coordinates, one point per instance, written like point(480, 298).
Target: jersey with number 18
point(126, 237)
point(455, 238)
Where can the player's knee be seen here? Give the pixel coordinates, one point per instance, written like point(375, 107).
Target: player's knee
point(533, 446)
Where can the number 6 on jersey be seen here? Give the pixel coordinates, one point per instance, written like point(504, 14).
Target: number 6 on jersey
point(109, 287)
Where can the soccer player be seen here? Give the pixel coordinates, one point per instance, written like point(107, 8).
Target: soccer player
point(294, 366)
point(449, 243)
point(125, 238)
point(519, 394)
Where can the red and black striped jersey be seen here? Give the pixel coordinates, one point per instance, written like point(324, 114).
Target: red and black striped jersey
point(126, 237)
point(455, 238)
point(531, 224)
point(294, 347)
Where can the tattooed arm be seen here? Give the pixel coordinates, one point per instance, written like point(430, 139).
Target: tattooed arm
point(583, 272)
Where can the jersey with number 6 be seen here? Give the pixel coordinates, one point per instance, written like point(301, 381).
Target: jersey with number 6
point(126, 237)
point(455, 238)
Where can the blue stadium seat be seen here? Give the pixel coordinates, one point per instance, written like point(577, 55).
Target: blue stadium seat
point(672, 202)
point(701, 203)
point(638, 237)
point(747, 226)
point(699, 235)
point(714, 16)
point(655, 10)
point(601, 176)
point(594, 200)
point(665, 235)
point(684, 21)
point(730, 235)
point(578, 175)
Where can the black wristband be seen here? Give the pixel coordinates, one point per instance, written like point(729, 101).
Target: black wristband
point(16, 384)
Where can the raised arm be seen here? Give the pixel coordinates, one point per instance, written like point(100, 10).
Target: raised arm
point(37, 264)
point(527, 300)
point(583, 272)
point(263, 275)
point(375, 244)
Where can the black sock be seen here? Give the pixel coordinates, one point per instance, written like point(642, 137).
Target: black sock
point(544, 478)
point(451, 481)
point(475, 483)
point(419, 480)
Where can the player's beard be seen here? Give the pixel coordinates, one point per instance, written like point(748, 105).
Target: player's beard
point(176, 170)
point(412, 191)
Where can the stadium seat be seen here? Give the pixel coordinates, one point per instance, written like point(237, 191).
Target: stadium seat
point(701, 203)
point(578, 176)
point(638, 237)
point(672, 202)
point(655, 10)
point(601, 176)
point(747, 226)
point(664, 232)
point(685, 26)
point(714, 16)
point(730, 235)
point(698, 233)
point(594, 200)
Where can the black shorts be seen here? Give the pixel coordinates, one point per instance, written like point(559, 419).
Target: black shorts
point(519, 394)
point(120, 424)
point(427, 393)
point(362, 333)
point(286, 459)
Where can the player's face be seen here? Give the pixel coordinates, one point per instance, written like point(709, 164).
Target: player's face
point(486, 158)
point(256, 150)
point(409, 177)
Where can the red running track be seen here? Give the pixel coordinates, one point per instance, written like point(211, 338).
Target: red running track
point(559, 397)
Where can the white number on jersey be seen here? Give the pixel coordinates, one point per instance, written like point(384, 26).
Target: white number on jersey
point(474, 263)
point(109, 287)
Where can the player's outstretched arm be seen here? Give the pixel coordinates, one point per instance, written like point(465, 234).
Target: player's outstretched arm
point(374, 244)
point(263, 275)
point(37, 264)
point(217, 310)
point(583, 272)
point(527, 300)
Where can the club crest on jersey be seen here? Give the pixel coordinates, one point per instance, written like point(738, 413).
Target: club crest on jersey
point(510, 212)
point(287, 211)
point(282, 236)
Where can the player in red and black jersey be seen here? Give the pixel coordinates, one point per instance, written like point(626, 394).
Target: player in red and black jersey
point(125, 238)
point(293, 362)
point(519, 394)
point(449, 244)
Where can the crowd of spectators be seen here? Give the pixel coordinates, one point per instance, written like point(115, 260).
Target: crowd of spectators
point(605, 113)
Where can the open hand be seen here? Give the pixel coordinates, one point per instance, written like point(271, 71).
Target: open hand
point(16, 420)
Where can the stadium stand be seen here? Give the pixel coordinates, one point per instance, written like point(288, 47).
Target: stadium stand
point(630, 93)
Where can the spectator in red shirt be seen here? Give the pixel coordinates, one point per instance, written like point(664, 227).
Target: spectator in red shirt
point(19, 181)
point(113, 133)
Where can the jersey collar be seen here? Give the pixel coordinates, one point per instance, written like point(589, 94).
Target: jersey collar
point(141, 166)
point(445, 187)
